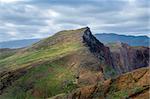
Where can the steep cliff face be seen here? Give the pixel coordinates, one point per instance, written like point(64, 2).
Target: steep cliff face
point(117, 58)
point(126, 58)
point(97, 48)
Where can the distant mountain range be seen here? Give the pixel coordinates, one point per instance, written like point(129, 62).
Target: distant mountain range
point(131, 40)
point(18, 43)
point(104, 38)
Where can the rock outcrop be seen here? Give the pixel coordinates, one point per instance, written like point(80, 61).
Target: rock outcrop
point(97, 48)
point(126, 58)
point(133, 85)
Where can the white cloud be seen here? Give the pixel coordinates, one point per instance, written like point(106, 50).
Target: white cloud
point(51, 13)
point(12, 33)
point(9, 1)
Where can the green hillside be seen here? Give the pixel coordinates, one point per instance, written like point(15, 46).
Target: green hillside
point(47, 71)
point(48, 49)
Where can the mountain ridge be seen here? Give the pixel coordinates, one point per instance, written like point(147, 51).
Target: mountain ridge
point(57, 64)
point(26, 42)
point(129, 39)
point(17, 43)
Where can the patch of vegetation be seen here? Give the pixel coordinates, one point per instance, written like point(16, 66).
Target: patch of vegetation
point(137, 89)
point(43, 81)
point(69, 86)
point(113, 88)
point(123, 94)
point(109, 72)
point(23, 59)
point(118, 95)
point(4, 53)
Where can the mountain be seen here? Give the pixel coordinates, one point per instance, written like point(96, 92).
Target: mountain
point(18, 43)
point(127, 58)
point(50, 66)
point(60, 64)
point(131, 40)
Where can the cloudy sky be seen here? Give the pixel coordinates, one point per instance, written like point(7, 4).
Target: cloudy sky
point(23, 19)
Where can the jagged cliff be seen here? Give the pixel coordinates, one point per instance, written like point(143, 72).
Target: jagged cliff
point(117, 58)
point(126, 58)
point(97, 48)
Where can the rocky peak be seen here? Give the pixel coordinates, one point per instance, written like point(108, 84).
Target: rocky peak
point(91, 40)
point(97, 48)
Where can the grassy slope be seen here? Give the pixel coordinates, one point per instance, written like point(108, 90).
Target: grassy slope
point(58, 45)
point(42, 81)
point(47, 79)
point(19, 60)
point(6, 52)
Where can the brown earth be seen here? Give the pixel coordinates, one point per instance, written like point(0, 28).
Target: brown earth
point(133, 85)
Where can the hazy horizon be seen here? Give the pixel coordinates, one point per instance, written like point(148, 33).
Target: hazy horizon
point(93, 33)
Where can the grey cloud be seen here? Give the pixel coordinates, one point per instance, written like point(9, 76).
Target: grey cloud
point(40, 18)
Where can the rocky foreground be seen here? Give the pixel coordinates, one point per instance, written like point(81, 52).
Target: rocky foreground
point(132, 85)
